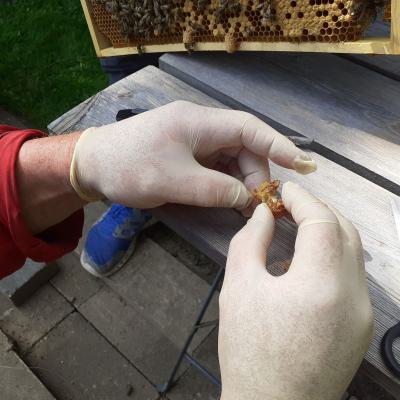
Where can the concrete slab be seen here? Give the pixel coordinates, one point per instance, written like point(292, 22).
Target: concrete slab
point(193, 384)
point(17, 381)
point(143, 343)
point(75, 283)
point(21, 285)
point(148, 308)
point(163, 290)
point(28, 323)
point(76, 362)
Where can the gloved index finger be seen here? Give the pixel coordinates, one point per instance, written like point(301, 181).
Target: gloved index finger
point(319, 242)
point(264, 140)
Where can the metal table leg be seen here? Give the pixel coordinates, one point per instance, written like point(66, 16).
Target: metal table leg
point(164, 388)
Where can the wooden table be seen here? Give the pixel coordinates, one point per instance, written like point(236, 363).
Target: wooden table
point(363, 146)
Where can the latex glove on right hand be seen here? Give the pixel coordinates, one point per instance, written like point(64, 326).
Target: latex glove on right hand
point(181, 153)
point(300, 336)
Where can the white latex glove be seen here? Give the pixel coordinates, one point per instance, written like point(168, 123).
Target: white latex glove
point(168, 155)
point(300, 336)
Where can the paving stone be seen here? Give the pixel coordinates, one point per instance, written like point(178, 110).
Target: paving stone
point(163, 290)
point(179, 248)
point(150, 310)
point(193, 384)
point(20, 285)
point(75, 362)
point(17, 382)
point(28, 323)
point(143, 343)
point(75, 283)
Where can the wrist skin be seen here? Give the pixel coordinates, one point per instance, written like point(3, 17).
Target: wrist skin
point(45, 194)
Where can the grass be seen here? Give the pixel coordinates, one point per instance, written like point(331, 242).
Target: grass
point(48, 63)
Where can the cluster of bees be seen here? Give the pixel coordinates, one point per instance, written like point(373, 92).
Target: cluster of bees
point(142, 22)
point(142, 18)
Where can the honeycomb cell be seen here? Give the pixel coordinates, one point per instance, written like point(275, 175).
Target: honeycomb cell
point(293, 20)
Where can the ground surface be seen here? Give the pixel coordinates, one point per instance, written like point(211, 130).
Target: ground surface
point(48, 63)
point(85, 338)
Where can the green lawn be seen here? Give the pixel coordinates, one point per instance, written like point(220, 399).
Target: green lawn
point(48, 63)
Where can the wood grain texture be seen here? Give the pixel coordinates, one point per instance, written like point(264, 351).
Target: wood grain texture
point(395, 26)
point(363, 46)
point(366, 204)
point(347, 108)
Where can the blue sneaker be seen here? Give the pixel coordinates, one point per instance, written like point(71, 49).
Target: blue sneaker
point(112, 240)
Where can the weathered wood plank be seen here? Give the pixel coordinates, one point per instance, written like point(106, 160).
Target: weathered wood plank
point(347, 108)
point(365, 203)
point(388, 65)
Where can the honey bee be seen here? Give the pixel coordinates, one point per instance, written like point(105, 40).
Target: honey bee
point(266, 10)
point(201, 5)
point(226, 8)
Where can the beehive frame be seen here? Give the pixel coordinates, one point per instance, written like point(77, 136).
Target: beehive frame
point(375, 45)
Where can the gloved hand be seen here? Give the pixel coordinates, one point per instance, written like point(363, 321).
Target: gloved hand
point(172, 154)
point(300, 336)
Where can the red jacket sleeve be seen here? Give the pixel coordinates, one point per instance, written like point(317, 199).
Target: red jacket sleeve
point(16, 242)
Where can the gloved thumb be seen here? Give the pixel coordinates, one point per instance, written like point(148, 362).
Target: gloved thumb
point(210, 188)
point(248, 248)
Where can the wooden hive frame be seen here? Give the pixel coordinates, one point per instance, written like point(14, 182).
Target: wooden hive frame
point(375, 45)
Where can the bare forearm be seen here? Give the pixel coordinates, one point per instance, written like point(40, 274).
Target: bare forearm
point(46, 196)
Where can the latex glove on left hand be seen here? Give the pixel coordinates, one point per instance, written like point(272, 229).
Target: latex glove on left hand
point(175, 154)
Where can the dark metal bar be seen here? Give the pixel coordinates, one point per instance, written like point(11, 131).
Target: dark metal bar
point(164, 388)
point(203, 370)
point(208, 323)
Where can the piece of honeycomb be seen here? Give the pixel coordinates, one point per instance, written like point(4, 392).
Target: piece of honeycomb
point(138, 23)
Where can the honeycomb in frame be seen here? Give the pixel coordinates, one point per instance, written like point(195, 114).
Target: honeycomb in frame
point(129, 23)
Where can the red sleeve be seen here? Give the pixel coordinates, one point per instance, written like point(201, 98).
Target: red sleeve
point(16, 242)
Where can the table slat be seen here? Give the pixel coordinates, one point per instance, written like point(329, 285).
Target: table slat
point(365, 203)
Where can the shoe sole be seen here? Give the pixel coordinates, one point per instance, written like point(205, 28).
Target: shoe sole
point(115, 269)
